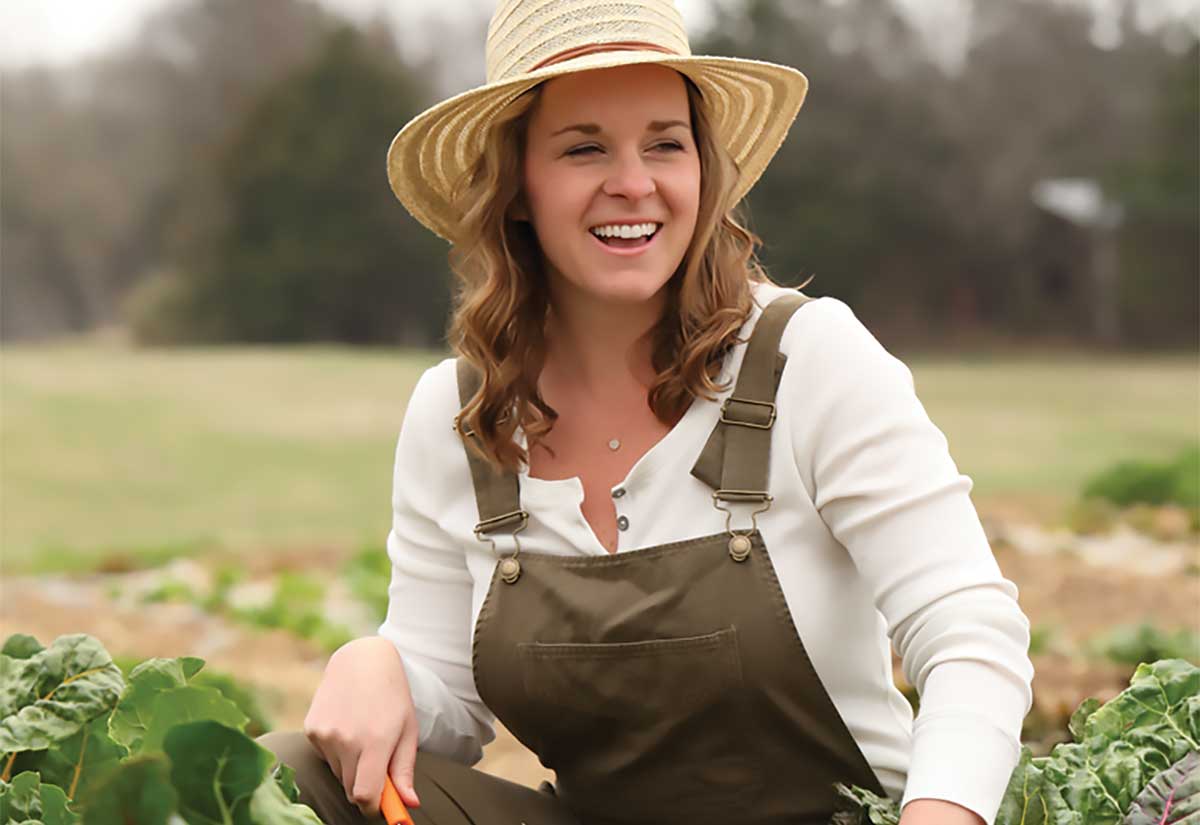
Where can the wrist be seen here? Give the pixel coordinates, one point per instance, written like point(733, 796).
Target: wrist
point(938, 812)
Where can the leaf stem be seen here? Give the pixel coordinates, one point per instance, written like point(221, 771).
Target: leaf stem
point(12, 757)
point(79, 764)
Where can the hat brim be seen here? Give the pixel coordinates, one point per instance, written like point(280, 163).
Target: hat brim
point(751, 104)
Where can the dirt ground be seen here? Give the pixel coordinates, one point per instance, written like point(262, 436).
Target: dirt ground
point(1080, 595)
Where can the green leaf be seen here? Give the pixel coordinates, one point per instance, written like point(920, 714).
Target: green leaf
point(21, 646)
point(170, 708)
point(872, 809)
point(153, 676)
point(285, 778)
point(26, 798)
point(77, 761)
point(215, 770)
point(1171, 798)
point(138, 790)
point(1032, 798)
point(1080, 716)
point(1161, 707)
point(270, 806)
point(55, 692)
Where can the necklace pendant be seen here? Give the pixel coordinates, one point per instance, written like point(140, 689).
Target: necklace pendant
point(614, 445)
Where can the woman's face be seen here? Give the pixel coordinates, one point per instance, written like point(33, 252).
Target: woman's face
point(608, 152)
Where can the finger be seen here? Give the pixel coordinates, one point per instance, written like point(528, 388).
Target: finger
point(349, 768)
point(330, 757)
point(401, 767)
point(368, 780)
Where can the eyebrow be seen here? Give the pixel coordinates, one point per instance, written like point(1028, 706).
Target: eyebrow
point(594, 129)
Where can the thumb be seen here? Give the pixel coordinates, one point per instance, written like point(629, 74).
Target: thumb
point(401, 766)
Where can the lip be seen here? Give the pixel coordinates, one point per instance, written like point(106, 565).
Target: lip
point(637, 250)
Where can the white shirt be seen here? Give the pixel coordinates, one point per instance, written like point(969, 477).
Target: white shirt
point(872, 533)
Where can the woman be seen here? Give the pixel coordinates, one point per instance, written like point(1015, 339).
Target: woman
point(661, 517)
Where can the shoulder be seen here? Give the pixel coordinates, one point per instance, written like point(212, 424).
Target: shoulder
point(830, 350)
point(432, 405)
point(823, 327)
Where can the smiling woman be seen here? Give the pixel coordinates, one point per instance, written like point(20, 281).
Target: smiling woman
point(660, 517)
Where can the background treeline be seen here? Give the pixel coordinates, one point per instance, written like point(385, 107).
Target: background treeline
point(222, 177)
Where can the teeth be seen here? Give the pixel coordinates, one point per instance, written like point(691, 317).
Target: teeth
point(624, 230)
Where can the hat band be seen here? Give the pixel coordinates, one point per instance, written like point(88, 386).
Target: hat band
point(580, 51)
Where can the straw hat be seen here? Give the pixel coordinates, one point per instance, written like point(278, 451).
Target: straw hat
point(751, 103)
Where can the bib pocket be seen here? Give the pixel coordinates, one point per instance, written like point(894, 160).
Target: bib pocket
point(623, 722)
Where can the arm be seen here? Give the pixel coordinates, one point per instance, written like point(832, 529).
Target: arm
point(887, 488)
point(429, 597)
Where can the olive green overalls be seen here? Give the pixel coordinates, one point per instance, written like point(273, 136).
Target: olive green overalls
point(662, 685)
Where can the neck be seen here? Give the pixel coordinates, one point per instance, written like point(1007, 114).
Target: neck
point(602, 350)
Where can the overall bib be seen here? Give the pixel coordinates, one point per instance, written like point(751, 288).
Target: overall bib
point(662, 685)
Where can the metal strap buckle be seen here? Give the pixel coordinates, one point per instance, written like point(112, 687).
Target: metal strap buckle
point(518, 517)
point(770, 405)
point(466, 431)
point(760, 496)
point(509, 567)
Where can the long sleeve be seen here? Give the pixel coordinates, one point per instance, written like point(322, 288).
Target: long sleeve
point(429, 597)
point(889, 492)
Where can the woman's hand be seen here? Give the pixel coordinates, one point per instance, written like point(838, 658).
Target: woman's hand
point(363, 722)
point(938, 812)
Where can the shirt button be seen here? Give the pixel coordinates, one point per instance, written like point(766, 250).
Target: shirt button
point(622, 523)
point(617, 493)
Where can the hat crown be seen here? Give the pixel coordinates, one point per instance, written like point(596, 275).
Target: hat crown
point(526, 34)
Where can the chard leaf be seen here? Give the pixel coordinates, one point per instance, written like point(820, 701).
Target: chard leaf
point(270, 806)
point(1099, 782)
point(137, 790)
point(55, 692)
point(128, 723)
point(1032, 798)
point(285, 778)
point(27, 799)
point(1162, 700)
point(21, 646)
point(1080, 716)
point(1171, 798)
point(871, 808)
point(215, 770)
point(188, 704)
point(77, 761)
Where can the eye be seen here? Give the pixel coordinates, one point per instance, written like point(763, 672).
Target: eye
point(670, 145)
point(582, 150)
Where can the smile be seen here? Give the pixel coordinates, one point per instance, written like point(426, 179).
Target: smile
point(635, 240)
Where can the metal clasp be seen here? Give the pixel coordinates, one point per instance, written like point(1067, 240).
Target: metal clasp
point(510, 568)
point(769, 405)
point(739, 541)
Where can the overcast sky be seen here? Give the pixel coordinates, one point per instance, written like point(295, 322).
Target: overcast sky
point(60, 31)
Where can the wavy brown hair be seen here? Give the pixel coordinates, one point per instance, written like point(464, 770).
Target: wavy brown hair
point(501, 299)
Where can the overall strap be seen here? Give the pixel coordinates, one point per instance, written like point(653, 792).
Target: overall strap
point(497, 494)
point(735, 460)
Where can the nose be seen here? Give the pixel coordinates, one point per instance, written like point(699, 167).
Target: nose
point(630, 178)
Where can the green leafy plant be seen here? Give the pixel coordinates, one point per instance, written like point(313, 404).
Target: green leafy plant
point(1148, 482)
point(81, 743)
point(368, 572)
point(1131, 644)
point(296, 606)
point(1133, 761)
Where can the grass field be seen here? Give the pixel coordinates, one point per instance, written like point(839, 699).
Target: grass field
point(110, 452)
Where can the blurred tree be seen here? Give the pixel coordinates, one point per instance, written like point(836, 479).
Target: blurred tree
point(312, 244)
point(1159, 185)
point(98, 159)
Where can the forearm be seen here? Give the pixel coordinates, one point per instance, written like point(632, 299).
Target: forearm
point(938, 812)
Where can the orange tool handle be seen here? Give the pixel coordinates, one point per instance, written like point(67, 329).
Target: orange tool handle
point(391, 807)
